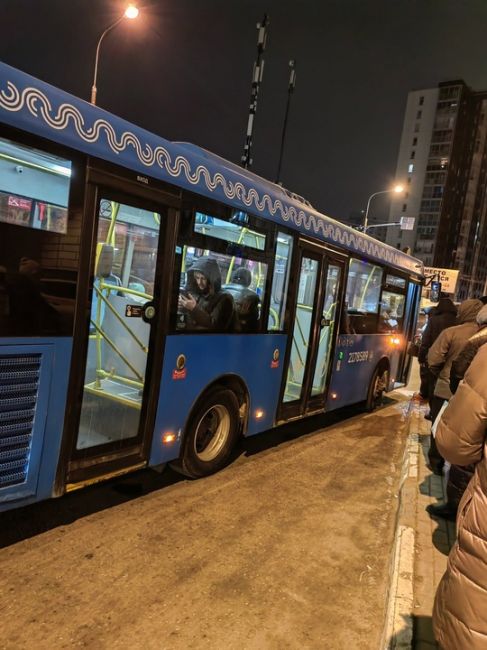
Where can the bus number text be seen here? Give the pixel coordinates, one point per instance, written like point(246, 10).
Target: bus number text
point(356, 357)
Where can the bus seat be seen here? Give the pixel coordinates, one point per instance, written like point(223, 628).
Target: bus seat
point(104, 260)
point(103, 274)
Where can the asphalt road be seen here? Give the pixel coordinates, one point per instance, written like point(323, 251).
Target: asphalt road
point(289, 547)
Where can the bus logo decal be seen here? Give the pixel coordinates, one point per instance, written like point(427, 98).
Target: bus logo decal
point(179, 371)
point(275, 359)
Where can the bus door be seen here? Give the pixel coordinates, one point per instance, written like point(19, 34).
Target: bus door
point(119, 342)
point(316, 314)
point(409, 330)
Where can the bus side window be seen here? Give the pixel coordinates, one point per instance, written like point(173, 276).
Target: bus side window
point(392, 311)
point(243, 281)
point(280, 281)
point(362, 296)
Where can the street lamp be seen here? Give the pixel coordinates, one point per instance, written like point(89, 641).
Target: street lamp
point(398, 189)
point(131, 12)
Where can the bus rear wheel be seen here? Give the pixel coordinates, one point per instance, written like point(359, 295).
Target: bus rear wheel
point(211, 434)
point(377, 386)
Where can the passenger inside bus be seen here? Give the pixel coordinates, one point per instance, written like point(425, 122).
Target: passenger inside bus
point(26, 311)
point(388, 322)
point(204, 304)
point(247, 302)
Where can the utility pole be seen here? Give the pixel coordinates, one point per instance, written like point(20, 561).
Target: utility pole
point(290, 90)
point(256, 81)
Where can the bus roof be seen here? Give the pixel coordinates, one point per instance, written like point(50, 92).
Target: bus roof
point(42, 109)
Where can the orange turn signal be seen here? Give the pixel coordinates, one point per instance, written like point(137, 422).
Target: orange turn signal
point(168, 437)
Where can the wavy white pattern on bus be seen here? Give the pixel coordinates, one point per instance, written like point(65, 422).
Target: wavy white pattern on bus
point(40, 107)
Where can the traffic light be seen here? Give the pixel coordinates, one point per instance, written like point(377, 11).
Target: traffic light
point(435, 291)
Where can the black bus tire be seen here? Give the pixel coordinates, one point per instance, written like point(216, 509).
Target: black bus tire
point(211, 434)
point(377, 386)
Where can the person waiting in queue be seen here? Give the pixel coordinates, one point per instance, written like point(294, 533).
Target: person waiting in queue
point(207, 307)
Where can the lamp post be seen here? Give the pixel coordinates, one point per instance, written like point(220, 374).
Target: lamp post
point(398, 189)
point(131, 12)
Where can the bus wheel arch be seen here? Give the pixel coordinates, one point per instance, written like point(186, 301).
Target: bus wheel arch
point(379, 383)
point(215, 422)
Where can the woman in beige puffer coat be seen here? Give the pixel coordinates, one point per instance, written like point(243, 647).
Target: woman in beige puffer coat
point(460, 611)
point(449, 344)
point(440, 357)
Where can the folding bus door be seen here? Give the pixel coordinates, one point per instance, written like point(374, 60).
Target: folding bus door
point(409, 330)
point(316, 312)
point(120, 347)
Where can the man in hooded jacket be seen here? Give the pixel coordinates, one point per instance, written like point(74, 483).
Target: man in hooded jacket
point(208, 307)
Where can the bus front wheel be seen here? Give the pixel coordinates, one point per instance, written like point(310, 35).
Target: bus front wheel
point(211, 434)
point(377, 386)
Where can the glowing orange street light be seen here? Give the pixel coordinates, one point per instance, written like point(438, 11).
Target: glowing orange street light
point(397, 189)
point(131, 12)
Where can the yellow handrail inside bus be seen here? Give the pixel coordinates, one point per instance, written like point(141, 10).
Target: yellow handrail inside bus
point(115, 208)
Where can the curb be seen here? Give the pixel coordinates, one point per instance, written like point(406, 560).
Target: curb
point(398, 627)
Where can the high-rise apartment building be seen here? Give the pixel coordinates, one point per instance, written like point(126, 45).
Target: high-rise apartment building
point(443, 164)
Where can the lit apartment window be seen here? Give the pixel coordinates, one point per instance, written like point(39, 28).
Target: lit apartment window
point(410, 168)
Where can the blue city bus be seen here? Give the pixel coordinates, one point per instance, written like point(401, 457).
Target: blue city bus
point(103, 227)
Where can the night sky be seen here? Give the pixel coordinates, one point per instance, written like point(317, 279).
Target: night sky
point(183, 70)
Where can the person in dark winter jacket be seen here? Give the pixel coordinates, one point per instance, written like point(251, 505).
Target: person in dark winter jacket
point(442, 316)
point(459, 476)
point(206, 306)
